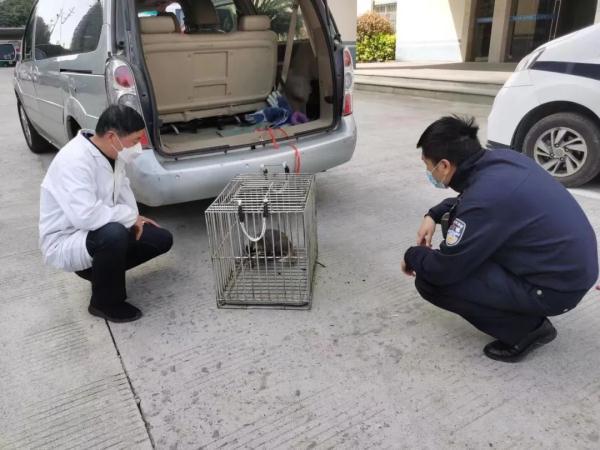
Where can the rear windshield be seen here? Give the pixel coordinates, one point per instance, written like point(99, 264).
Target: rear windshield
point(7, 51)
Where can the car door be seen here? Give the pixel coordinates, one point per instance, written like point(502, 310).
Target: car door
point(47, 51)
point(24, 73)
point(84, 37)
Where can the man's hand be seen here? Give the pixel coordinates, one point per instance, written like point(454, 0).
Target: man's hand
point(426, 232)
point(150, 221)
point(410, 273)
point(138, 226)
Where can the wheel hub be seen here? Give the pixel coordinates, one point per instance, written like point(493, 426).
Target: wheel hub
point(561, 151)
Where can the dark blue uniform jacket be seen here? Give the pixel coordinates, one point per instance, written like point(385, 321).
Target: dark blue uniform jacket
point(512, 212)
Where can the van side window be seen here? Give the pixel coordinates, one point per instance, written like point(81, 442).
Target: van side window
point(47, 30)
point(175, 8)
point(28, 38)
point(228, 15)
point(81, 26)
point(280, 13)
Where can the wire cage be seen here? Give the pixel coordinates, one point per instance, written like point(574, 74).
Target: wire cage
point(262, 232)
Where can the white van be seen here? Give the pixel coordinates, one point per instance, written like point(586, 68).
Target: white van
point(549, 108)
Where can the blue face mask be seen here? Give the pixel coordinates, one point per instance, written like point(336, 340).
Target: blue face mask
point(436, 183)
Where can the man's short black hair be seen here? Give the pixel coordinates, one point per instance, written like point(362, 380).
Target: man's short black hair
point(121, 119)
point(453, 138)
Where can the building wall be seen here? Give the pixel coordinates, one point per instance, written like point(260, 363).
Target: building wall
point(430, 30)
point(441, 30)
point(363, 6)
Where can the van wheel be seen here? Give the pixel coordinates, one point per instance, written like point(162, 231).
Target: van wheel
point(567, 145)
point(73, 128)
point(35, 142)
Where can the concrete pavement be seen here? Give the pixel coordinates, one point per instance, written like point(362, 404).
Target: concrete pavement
point(370, 366)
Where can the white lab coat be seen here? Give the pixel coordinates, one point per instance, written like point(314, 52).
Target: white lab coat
point(80, 193)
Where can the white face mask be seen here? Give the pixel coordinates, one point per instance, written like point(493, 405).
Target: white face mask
point(128, 154)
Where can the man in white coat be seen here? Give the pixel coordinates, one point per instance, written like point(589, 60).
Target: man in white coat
point(89, 220)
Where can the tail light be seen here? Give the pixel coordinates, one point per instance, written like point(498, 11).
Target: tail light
point(122, 90)
point(124, 78)
point(347, 104)
point(347, 58)
point(348, 82)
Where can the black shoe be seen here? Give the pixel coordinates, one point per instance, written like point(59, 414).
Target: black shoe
point(85, 274)
point(500, 351)
point(120, 313)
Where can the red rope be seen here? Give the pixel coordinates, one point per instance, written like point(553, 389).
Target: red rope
point(297, 162)
point(297, 157)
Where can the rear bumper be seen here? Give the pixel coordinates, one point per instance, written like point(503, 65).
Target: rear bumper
point(159, 181)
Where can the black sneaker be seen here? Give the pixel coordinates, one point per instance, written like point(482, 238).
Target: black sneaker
point(120, 313)
point(500, 351)
point(85, 274)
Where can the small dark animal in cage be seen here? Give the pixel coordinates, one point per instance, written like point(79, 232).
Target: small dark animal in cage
point(275, 246)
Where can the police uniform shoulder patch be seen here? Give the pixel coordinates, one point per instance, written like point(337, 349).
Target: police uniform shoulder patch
point(455, 232)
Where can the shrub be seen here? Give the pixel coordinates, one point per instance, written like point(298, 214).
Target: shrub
point(371, 24)
point(379, 48)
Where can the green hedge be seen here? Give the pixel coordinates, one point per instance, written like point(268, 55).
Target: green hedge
point(377, 48)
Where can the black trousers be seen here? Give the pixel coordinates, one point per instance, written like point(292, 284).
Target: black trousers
point(114, 250)
point(498, 302)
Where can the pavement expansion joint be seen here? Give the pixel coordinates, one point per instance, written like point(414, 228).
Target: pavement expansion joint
point(137, 399)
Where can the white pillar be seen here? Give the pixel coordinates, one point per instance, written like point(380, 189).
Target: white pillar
point(426, 31)
point(597, 13)
point(467, 29)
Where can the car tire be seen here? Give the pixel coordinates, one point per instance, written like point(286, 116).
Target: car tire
point(35, 142)
point(567, 145)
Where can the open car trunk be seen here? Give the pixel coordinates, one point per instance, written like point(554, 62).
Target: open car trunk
point(213, 72)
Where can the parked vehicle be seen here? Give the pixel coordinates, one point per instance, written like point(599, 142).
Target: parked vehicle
point(550, 108)
point(194, 69)
point(8, 53)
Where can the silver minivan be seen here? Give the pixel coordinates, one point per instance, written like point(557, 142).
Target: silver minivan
point(224, 86)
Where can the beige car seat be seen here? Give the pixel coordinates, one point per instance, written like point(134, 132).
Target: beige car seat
point(206, 74)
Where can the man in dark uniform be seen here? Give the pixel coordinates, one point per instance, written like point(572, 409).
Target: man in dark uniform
point(517, 247)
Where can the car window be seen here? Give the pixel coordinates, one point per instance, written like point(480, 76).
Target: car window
point(70, 27)
point(280, 12)
point(148, 13)
point(7, 48)
point(227, 13)
point(81, 26)
point(28, 38)
point(7, 52)
point(47, 30)
point(176, 9)
point(173, 8)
